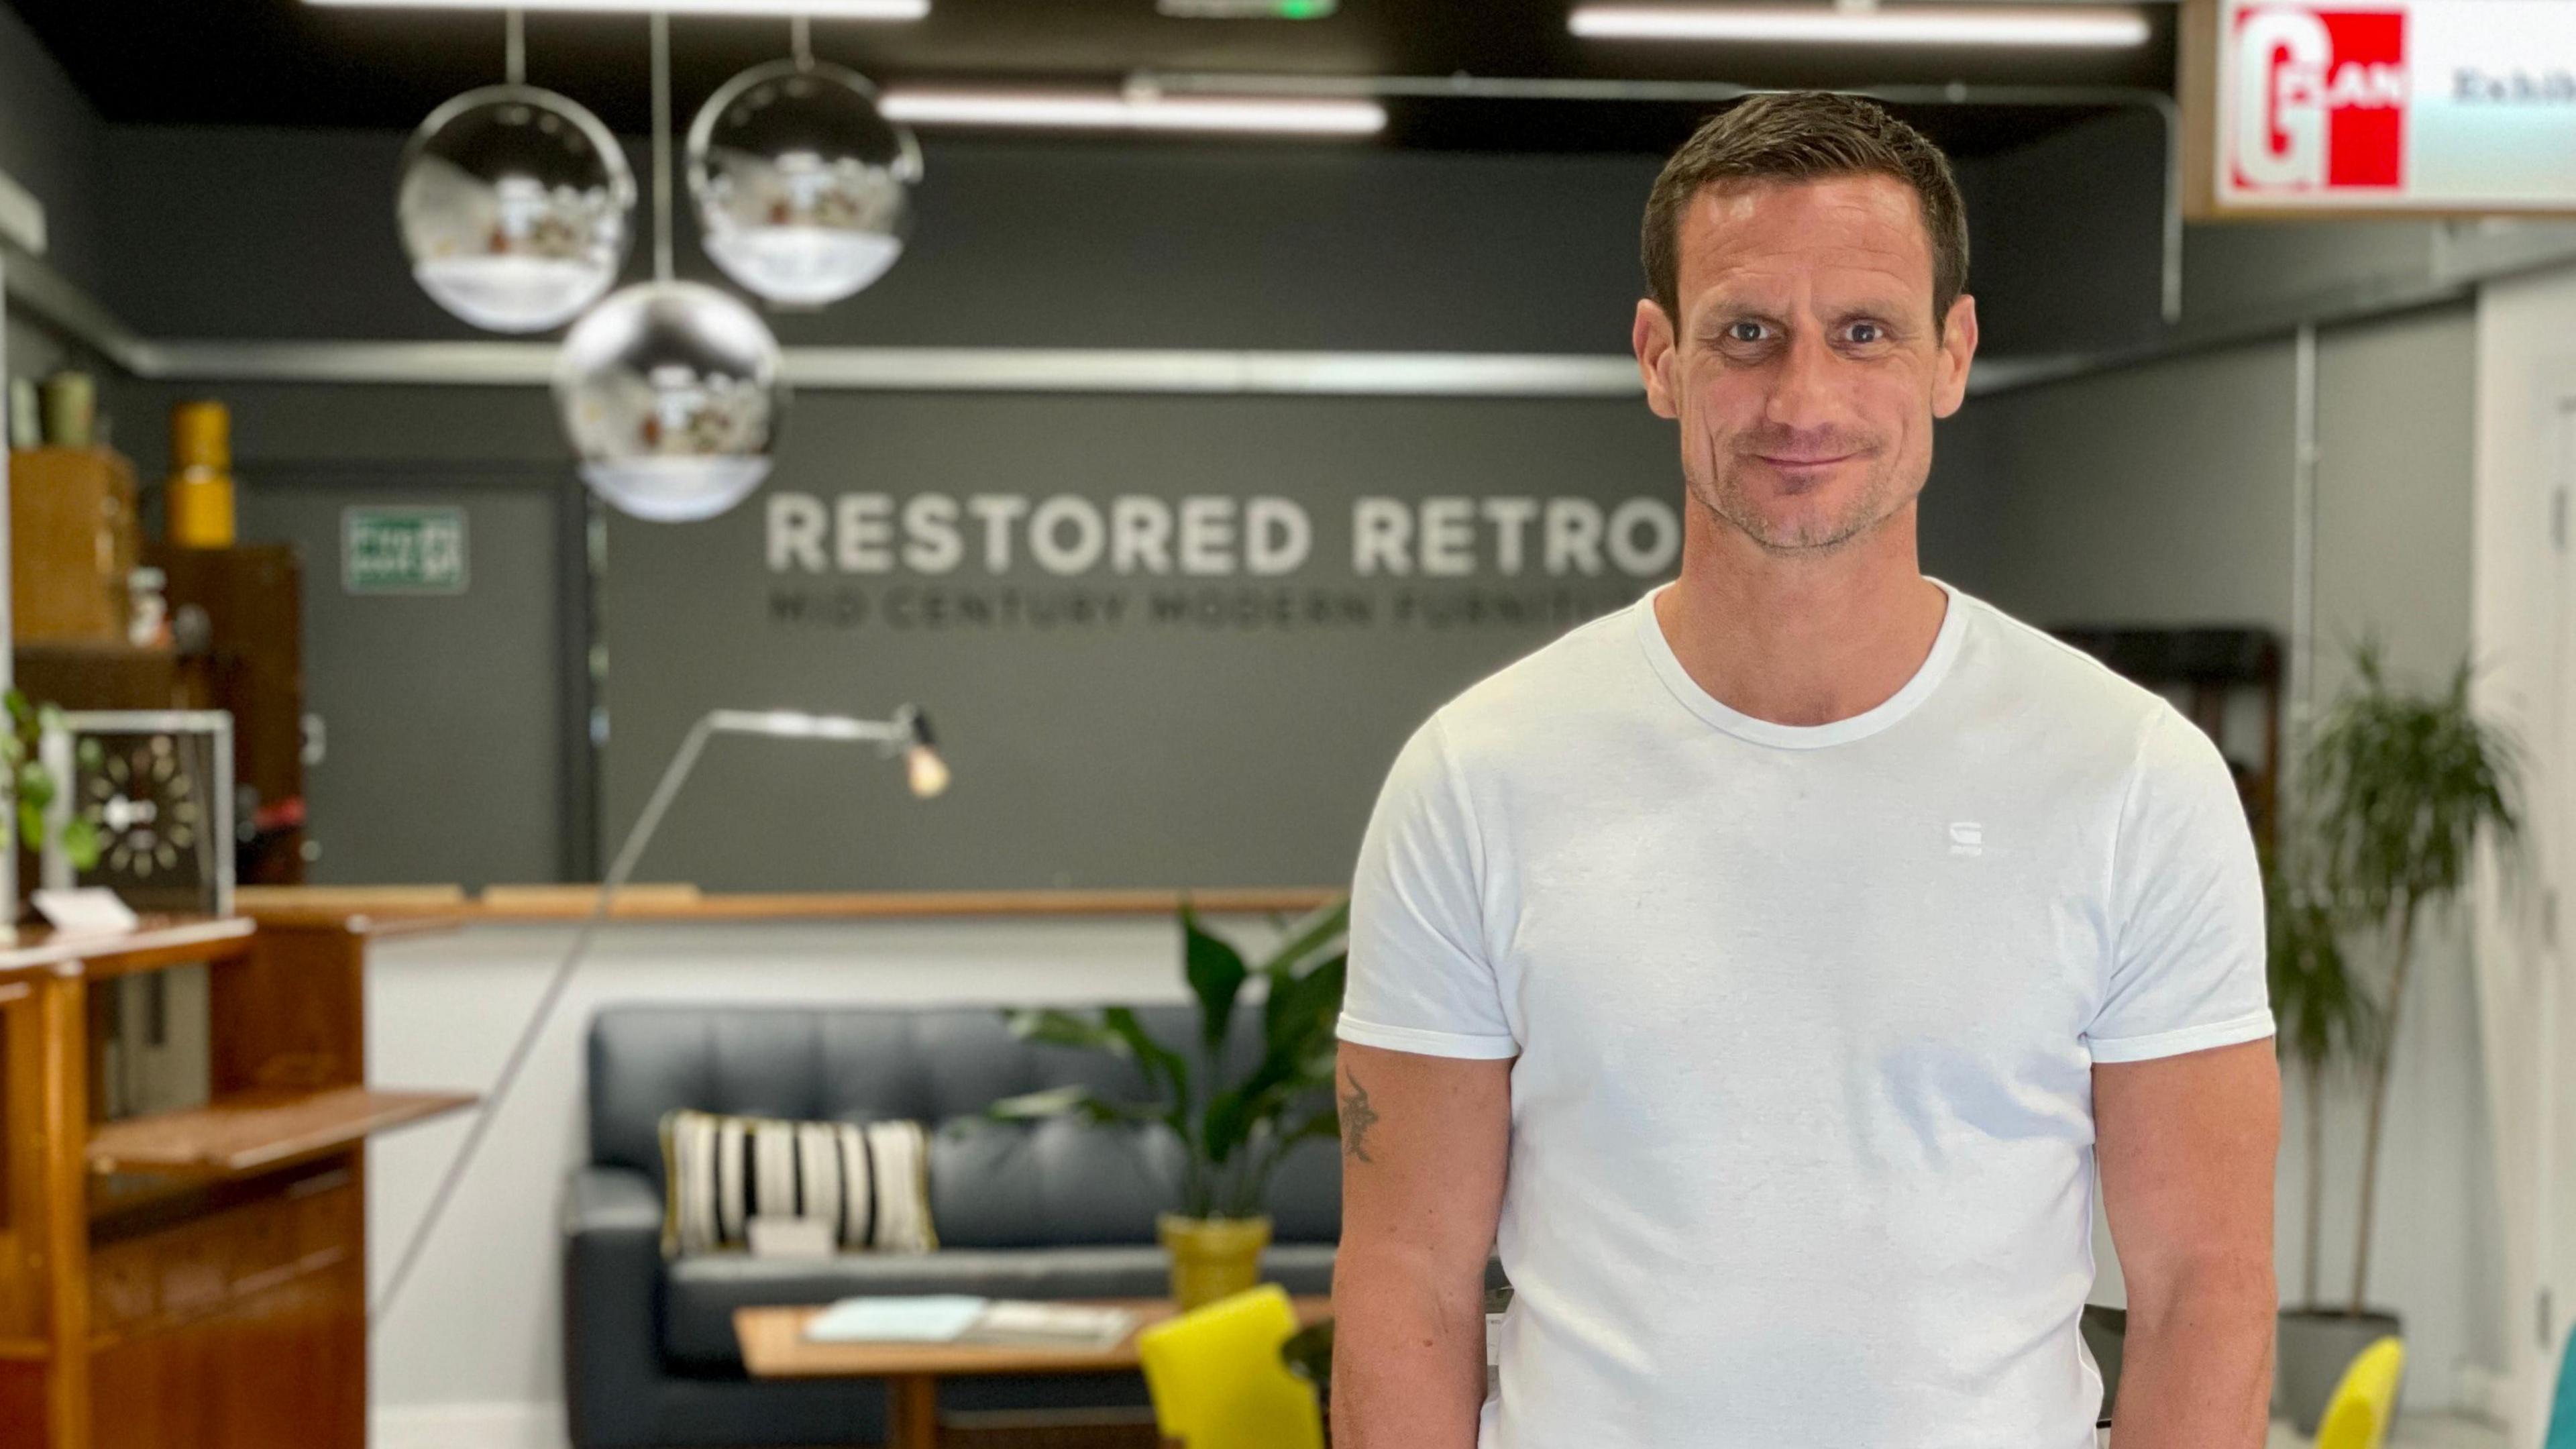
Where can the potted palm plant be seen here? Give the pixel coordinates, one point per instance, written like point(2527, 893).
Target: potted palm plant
point(2402, 786)
point(1236, 1114)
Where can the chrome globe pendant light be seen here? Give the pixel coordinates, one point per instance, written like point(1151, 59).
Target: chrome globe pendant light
point(803, 188)
point(670, 391)
point(514, 204)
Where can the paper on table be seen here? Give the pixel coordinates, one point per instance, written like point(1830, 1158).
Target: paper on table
point(1041, 1325)
point(931, 1318)
point(90, 910)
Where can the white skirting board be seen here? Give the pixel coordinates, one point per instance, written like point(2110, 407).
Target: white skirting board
point(468, 1426)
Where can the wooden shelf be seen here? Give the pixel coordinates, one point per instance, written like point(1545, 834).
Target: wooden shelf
point(252, 1132)
point(334, 905)
point(159, 942)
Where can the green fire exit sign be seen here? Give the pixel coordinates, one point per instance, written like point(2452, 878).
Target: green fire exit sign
point(402, 550)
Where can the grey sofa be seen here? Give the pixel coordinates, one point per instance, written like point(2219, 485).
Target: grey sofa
point(1045, 1210)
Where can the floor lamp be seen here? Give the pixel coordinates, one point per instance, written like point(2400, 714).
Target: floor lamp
point(906, 734)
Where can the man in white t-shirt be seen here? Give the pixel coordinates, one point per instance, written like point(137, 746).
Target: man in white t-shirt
point(1764, 970)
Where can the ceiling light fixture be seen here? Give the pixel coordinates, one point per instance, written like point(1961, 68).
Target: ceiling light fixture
point(1111, 111)
point(1247, 9)
point(514, 203)
point(803, 187)
point(763, 9)
point(2072, 26)
point(670, 390)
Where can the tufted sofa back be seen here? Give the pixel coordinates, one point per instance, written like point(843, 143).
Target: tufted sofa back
point(992, 1184)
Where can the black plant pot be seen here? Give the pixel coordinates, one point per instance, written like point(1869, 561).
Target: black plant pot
point(2316, 1346)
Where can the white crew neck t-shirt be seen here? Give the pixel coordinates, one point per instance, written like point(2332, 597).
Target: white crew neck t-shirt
point(1805, 1021)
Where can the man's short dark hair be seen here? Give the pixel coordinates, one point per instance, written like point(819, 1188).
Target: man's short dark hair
point(1795, 136)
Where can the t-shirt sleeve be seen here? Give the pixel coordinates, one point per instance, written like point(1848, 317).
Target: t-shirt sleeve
point(2187, 939)
point(1421, 979)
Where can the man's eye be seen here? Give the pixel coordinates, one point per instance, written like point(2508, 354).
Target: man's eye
point(1744, 332)
point(1867, 332)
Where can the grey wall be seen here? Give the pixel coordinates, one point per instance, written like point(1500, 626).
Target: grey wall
point(1140, 750)
point(442, 714)
point(1223, 755)
point(50, 143)
point(1073, 244)
point(452, 723)
point(2395, 429)
point(2066, 248)
point(2151, 495)
point(2069, 250)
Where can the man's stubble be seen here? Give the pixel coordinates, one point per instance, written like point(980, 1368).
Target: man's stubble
point(1714, 480)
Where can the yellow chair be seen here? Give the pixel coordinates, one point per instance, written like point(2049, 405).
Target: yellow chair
point(1217, 1379)
point(2363, 1403)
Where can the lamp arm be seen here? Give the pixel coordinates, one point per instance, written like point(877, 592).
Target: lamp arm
point(637, 838)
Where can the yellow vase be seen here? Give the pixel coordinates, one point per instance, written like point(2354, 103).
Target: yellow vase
point(198, 504)
point(1212, 1258)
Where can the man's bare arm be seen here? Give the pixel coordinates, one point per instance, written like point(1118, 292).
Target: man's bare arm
point(1425, 1143)
point(2186, 1145)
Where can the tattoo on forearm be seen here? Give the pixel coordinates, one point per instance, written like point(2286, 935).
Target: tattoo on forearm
point(1357, 1118)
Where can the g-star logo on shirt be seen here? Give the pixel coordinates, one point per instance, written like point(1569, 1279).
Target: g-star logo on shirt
point(1967, 837)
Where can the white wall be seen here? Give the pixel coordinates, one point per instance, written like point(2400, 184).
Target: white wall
point(470, 1356)
point(2526, 399)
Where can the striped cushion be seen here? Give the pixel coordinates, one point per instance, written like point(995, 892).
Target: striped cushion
point(871, 1183)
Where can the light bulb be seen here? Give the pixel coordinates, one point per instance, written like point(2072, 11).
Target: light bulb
point(925, 771)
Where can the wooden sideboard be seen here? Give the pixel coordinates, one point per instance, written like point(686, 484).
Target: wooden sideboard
point(192, 1277)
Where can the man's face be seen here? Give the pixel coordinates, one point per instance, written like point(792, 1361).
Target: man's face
point(1805, 369)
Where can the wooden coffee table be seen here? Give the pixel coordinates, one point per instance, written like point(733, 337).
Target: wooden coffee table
point(774, 1347)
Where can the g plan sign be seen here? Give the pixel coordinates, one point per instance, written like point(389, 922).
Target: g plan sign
point(2308, 106)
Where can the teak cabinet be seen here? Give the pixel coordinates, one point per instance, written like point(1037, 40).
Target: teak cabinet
point(192, 1277)
point(72, 544)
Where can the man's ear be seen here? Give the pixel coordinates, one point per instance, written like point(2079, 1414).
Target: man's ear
point(1652, 337)
point(1958, 348)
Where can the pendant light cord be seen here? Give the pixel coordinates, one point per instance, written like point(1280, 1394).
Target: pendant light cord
point(800, 40)
point(514, 49)
point(661, 146)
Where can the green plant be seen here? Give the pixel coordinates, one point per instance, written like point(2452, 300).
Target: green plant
point(33, 785)
point(1234, 1124)
point(2404, 784)
point(2327, 1018)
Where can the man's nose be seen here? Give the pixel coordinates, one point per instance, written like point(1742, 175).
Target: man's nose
point(1802, 386)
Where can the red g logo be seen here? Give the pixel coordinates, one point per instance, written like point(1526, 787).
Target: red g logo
point(2320, 99)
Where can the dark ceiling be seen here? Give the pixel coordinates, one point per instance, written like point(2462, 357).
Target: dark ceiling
point(282, 62)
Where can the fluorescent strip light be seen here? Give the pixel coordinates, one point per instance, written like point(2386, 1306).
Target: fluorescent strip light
point(769, 9)
point(2060, 25)
point(1109, 111)
point(1247, 9)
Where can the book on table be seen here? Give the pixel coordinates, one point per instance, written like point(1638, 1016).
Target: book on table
point(959, 1318)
